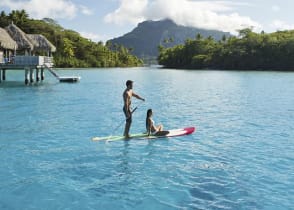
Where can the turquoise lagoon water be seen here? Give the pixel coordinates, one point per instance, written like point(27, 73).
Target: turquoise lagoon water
point(240, 157)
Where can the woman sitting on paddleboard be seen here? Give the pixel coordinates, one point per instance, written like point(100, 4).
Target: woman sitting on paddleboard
point(150, 125)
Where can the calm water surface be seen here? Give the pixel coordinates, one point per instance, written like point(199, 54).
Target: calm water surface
point(240, 157)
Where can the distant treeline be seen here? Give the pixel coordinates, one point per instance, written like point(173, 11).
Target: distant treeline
point(248, 51)
point(73, 50)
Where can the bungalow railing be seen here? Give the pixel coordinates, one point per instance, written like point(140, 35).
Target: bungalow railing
point(31, 64)
point(23, 60)
point(33, 60)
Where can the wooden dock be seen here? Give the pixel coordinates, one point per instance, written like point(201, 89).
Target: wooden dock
point(12, 41)
point(33, 67)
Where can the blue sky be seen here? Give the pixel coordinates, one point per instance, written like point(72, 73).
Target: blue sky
point(101, 20)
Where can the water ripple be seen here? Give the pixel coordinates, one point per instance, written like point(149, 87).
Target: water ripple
point(240, 157)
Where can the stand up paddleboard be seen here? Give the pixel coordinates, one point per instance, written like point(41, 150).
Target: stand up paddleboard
point(159, 134)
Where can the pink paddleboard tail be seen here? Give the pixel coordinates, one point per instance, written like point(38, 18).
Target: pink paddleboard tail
point(189, 130)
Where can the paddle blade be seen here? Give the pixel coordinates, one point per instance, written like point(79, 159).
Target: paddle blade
point(101, 138)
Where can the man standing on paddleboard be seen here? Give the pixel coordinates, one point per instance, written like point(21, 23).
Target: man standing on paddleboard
point(127, 96)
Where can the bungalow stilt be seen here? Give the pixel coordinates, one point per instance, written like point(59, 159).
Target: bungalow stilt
point(37, 75)
point(3, 74)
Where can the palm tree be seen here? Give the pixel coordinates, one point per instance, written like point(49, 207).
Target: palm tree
point(3, 19)
point(13, 16)
point(18, 17)
point(199, 36)
point(22, 16)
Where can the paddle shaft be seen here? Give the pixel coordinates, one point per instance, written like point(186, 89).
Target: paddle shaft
point(126, 118)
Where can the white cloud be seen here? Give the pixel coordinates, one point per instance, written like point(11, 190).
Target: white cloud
point(94, 37)
point(276, 8)
point(39, 9)
point(85, 10)
point(130, 11)
point(281, 25)
point(218, 15)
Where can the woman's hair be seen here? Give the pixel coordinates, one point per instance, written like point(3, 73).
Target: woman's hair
point(149, 113)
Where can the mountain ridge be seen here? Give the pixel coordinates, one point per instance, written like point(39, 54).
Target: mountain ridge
point(148, 35)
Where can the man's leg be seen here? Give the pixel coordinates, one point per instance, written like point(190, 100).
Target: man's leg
point(127, 127)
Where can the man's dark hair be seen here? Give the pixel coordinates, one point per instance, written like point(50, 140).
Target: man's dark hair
point(129, 82)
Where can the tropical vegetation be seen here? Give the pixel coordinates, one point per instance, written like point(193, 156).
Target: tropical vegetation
point(73, 50)
point(247, 51)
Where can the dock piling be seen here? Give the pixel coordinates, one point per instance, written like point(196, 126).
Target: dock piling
point(37, 74)
point(31, 75)
point(42, 74)
point(26, 76)
point(3, 74)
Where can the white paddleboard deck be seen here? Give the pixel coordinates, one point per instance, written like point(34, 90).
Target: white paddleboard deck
point(160, 134)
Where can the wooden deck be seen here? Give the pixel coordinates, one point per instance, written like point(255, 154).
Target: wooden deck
point(31, 64)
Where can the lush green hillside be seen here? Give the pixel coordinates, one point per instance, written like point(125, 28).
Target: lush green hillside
point(72, 49)
point(147, 36)
point(248, 51)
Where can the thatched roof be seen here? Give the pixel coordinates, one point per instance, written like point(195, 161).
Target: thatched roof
point(33, 42)
point(20, 37)
point(6, 41)
point(41, 43)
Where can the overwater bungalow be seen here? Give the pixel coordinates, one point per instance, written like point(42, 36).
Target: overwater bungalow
point(41, 44)
point(29, 52)
point(7, 46)
point(23, 43)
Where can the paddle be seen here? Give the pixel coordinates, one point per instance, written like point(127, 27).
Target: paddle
point(108, 137)
point(127, 118)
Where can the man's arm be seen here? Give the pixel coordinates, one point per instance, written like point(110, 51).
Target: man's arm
point(137, 96)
